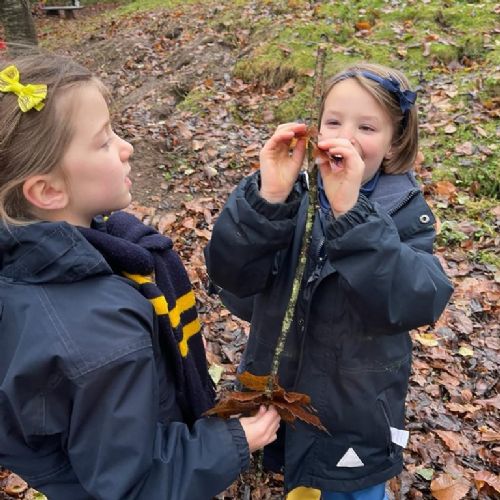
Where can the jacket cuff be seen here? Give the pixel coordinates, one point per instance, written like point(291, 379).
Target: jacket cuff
point(272, 211)
point(239, 438)
point(357, 215)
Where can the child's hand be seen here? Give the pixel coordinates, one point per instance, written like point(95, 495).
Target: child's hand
point(261, 429)
point(278, 168)
point(341, 180)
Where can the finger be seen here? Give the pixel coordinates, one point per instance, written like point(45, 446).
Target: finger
point(299, 128)
point(333, 142)
point(280, 140)
point(299, 151)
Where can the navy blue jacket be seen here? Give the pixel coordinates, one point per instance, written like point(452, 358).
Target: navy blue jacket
point(87, 409)
point(370, 277)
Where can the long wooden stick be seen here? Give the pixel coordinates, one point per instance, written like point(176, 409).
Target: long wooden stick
point(312, 195)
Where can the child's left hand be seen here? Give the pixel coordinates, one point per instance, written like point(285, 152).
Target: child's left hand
point(341, 181)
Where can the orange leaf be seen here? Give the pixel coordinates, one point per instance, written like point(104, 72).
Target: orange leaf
point(363, 25)
point(446, 487)
point(452, 440)
point(253, 382)
point(483, 477)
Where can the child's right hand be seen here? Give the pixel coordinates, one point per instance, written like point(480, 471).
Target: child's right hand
point(278, 168)
point(261, 429)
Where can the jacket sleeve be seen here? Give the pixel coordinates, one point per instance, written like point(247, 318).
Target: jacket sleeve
point(247, 237)
point(119, 450)
point(395, 280)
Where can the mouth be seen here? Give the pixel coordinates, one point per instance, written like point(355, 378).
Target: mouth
point(128, 182)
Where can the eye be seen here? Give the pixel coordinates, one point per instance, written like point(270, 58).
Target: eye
point(332, 122)
point(367, 128)
point(105, 145)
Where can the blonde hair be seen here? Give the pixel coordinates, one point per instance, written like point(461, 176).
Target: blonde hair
point(34, 142)
point(405, 139)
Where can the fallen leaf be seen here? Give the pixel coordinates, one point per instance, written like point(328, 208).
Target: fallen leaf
point(215, 372)
point(363, 26)
point(465, 149)
point(465, 351)
point(427, 339)
point(425, 473)
point(483, 477)
point(451, 439)
point(15, 485)
point(446, 487)
point(494, 402)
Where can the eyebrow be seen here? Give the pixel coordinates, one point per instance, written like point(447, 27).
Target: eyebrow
point(339, 113)
point(106, 125)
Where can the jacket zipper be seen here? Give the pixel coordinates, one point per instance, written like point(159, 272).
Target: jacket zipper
point(403, 202)
point(312, 283)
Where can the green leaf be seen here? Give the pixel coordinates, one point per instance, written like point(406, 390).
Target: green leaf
point(216, 371)
point(426, 473)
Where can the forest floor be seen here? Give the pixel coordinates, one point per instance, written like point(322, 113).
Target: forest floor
point(198, 88)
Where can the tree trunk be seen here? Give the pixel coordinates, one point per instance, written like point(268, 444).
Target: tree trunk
point(19, 28)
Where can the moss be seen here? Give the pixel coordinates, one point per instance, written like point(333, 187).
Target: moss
point(442, 53)
point(450, 234)
point(141, 5)
point(296, 107)
point(195, 100)
point(485, 257)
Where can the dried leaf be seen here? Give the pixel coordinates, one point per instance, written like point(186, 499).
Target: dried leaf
point(494, 402)
point(215, 372)
point(363, 26)
point(290, 405)
point(465, 351)
point(451, 439)
point(427, 339)
point(446, 487)
point(15, 485)
point(425, 473)
point(483, 477)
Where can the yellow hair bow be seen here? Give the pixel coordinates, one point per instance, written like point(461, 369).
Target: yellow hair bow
point(28, 96)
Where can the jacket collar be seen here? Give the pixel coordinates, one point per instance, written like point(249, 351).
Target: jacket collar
point(392, 189)
point(48, 252)
point(387, 190)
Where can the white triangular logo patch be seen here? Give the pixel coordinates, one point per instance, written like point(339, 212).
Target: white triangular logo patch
point(350, 459)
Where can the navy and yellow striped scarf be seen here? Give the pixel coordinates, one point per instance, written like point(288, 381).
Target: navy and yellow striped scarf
point(143, 255)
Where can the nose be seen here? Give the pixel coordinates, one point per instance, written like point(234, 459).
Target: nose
point(348, 131)
point(126, 149)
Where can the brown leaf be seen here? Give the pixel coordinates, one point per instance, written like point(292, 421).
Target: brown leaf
point(363, 25)
point(483, 477)
point(166, 221)
point(453, 440)
point(446, 487)
point(445, 189)
point(15, 485)
point(465, 149)
point(290, 405)
point(494, 402)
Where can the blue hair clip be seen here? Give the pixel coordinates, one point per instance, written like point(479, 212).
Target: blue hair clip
point(406, 98)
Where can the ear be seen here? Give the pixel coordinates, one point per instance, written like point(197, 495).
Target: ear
point(389, 154)
point(46, 192)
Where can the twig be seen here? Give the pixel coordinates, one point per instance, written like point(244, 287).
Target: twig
point(312, 195)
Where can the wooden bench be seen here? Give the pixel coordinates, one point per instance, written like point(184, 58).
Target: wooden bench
point(69, 10)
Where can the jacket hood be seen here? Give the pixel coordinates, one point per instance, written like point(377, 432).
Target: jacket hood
point(48, 252)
